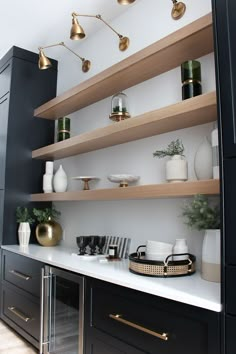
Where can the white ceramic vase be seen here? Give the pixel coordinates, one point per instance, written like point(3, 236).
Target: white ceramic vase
point(48, 177)
point(203, 165)
point(176, 169)
point(180, 246)
point(211, 256)
point(24, 234)
point(60, 180)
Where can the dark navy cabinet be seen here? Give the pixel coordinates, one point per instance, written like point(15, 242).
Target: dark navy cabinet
point(121, 320)
point(23, 87)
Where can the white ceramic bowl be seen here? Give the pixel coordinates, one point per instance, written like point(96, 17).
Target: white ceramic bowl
point(157, 256)
point(156, 247)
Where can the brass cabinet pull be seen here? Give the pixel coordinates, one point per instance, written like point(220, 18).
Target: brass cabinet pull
point(19, 314)
point(19, 274)
point(163, 336)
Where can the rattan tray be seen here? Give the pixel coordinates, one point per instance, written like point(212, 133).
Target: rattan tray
point(139, 265)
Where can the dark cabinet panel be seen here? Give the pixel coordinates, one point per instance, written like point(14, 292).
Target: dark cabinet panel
point(5, 79)
point(230, 342)
point(230, 281)
point(149, 323)
point(225, 54)
point(1, 212)
point(229, 210)
point(4, 107)
point(22, 272)
point(23, 311)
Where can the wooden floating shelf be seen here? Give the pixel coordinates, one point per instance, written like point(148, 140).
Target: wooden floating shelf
point(187, 113)
point(153, 191)
point(189, 42)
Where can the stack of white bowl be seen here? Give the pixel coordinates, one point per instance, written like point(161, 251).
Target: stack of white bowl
point(158, 251)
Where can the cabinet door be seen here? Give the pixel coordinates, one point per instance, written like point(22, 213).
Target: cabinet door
point(1, 213)
point(225, 51)
point(4, 106)
point(5, 79)
point(229, 195)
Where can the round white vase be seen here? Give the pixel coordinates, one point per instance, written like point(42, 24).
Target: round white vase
point(176, 169)
point(211, 256)
point(24, 234)
point(180, 246)
point(60, 180)
point(203, 164)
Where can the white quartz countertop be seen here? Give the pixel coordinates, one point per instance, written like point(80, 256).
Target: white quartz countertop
point(190, 290)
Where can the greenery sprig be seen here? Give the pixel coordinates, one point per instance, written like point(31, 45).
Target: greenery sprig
point(200, 215)
point(23, 215)
point(174, 148)
point(43, 215)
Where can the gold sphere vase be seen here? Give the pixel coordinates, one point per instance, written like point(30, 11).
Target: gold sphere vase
point(49, 233)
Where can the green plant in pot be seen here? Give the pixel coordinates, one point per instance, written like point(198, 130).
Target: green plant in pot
point(200, 215)
point(24, 218)
point(48, 231)
point(176, 166)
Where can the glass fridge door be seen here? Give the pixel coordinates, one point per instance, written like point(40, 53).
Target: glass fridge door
point(66, 312)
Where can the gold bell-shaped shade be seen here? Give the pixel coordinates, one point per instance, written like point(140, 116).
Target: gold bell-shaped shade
point(76, 31)
point(125, 2)
point(44, 62)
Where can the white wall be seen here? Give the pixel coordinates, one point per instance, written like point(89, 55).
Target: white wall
point(158, 219)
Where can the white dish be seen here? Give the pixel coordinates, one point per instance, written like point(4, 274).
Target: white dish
point(86, 180)
point(123, 179)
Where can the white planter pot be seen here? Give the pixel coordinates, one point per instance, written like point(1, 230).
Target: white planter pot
point(211, 256)
point(176, 169)
point(203, 164)
point(60, 180)
point(24, 234)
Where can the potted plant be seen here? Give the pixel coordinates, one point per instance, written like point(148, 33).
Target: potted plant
point(200, 215)
point(176, 166)
point(48, 231)
point(24, 219)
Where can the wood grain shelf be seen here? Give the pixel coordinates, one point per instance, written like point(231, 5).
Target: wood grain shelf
point(153, 191)
point(187, 113)
point(189, 42)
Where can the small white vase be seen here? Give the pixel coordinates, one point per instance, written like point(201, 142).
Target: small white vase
point(176, 169)
point(211, 256)
point(180, 246)
point(203, 165)
point(48, 177)
point(24, 234)
point(60, 180)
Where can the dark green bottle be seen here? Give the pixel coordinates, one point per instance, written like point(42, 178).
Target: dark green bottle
point(63, 128)
point(191, 79)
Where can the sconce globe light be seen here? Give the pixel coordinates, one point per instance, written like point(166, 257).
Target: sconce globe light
point(178, 10)
point(78, 33)
point(44, 62)
point(125, 2)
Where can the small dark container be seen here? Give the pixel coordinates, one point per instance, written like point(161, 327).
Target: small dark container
point(191, 79)
point(63, 128)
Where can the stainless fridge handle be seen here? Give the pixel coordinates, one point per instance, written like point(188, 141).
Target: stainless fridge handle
point(42, 311)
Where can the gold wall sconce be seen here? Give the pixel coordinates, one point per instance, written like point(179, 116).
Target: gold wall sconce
point(44, 62)
point(125, 2)
point(178, 10)
point(77, 31)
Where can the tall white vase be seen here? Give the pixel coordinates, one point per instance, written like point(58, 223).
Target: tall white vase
point(203, 164)
point(211, 256)
point(176, 169)
point(60, 180)
point(24, 234)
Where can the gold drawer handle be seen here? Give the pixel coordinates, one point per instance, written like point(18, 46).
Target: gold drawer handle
point(163, 336)
point(19, 314)
point(19, 274)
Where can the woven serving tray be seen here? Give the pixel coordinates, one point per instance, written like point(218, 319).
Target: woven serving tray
point(139, 265)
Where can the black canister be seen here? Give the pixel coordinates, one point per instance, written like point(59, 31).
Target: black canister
point(191, 79)
point(63, 128)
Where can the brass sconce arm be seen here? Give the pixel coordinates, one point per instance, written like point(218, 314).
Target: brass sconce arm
point(77, 31)
point(178, 10)
point(44, 62)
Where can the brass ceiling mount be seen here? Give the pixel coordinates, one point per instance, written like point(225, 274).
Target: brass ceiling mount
point(178, 10)
point(125, 2)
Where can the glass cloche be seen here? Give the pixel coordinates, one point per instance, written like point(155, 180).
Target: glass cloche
point(119, 107)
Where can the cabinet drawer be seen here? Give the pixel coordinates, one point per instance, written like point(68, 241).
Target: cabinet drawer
point(149, 323)
point(22, 272)
point(22, 310)
point(5, 79)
